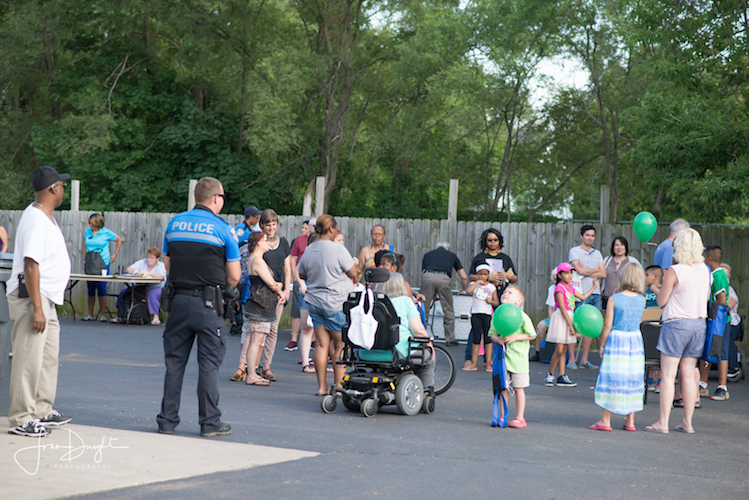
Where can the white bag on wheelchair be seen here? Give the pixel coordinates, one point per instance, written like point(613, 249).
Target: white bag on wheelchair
point(363, 327)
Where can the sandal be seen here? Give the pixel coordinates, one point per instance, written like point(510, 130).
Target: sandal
point(268, 375)
point(261, 382)
point(518, 423)
point(308, 369)
point(239, 375)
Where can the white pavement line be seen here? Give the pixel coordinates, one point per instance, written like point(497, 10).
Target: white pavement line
point(80, 459)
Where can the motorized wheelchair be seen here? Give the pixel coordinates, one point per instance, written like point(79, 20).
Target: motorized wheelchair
point(369, 385)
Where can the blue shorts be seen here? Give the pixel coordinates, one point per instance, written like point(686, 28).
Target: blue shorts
point(302, 303)
point(333, 321)
point(683, 338)
point(97, 286)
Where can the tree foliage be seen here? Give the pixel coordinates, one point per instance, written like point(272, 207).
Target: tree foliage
point(386, 100)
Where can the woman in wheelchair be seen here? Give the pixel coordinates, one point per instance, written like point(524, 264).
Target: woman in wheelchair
point(410, 326)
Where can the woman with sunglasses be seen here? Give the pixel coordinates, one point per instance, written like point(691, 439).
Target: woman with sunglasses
point(502, 269)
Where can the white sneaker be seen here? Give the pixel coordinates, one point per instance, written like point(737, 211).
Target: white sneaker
point(87, 317)
point(31, 429)
point(103, 319)
point(549, 380)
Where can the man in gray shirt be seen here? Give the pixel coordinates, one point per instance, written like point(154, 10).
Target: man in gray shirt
point(588, 263)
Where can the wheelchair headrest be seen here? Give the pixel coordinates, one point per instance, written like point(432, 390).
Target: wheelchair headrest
point(376, 275)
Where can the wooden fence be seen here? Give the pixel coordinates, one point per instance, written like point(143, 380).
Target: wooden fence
point(534, 248)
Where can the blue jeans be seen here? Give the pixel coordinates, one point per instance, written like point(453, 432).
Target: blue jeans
point(594, 300)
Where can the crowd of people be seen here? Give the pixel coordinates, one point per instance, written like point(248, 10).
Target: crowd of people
point(206, 261)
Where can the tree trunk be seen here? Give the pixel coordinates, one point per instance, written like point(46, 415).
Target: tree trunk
point(242, 107)
point(658, 200)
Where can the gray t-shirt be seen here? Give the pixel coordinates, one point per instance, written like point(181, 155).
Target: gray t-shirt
point(589, 259)
point(325, 263)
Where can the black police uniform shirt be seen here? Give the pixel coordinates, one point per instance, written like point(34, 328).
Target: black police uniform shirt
point(441, 260)
point(199, 243)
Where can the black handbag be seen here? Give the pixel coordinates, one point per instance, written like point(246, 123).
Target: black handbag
point(94, 263)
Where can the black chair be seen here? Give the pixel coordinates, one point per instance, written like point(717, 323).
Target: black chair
point(650, 331)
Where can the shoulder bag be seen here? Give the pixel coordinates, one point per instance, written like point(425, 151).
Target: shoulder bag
point(363, 326)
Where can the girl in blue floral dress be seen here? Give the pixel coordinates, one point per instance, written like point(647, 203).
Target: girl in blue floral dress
point(619, 388)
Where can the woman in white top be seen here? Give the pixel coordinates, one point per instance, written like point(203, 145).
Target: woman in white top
point(683, 297)
point(150, 267)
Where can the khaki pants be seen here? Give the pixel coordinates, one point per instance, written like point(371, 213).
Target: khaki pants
point(440, 285)
point(33, 379)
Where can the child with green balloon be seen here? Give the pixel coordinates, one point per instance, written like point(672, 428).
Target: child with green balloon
point(561, 329)
point(513, 330)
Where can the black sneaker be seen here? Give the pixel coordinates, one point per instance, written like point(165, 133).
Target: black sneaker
point(222, 430)
point(720, 395)
point(534, 357)
point(31, 429)
point(564, 381)
point(451, 343)
point(165, 431)
point(54, 419)
point(549, 380)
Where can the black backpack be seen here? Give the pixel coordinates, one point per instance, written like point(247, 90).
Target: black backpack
point(139, 314)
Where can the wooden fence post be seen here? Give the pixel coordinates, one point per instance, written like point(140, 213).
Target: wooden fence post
point(452, 203)
point(191, 194)
point(75, 195)
point(605, 204)
point(320, 196)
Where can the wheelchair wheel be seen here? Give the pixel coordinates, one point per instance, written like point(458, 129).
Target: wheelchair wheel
point(428, 405)
point(369, 408)
point(444, 369)
point(409, 394)
point(349, 404)
point(328, 404)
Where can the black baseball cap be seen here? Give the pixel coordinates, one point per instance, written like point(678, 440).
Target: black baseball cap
point(44, 177)
point(250, 211)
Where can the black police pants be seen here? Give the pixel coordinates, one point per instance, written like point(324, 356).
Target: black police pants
point(190, 318)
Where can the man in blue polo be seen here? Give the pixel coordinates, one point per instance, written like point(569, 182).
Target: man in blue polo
point(664, 254)
point(202, 256)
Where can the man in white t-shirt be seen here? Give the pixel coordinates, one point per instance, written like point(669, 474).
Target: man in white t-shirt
point(588, 263)
point(41, 270)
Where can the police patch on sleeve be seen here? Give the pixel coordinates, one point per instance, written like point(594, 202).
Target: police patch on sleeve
point(234, 233)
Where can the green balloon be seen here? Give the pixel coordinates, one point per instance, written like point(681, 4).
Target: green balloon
point(645, 226)
point(588, 321)
point(507, 319)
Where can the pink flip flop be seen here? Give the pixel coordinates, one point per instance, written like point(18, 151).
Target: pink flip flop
point(518, 423)
point(630, 429)
point(599, 427)
point(470, 369)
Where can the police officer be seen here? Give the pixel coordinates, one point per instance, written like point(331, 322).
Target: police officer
point(250, 224)
point(201, 255)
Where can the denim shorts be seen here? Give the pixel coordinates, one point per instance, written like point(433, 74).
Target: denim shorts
point(594, 300)
point(683, 338)
point(333, 321)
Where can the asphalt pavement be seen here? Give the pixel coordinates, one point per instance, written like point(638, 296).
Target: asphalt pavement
point(111, 379)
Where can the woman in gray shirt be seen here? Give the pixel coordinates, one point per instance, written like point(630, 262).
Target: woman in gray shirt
point(328, 268)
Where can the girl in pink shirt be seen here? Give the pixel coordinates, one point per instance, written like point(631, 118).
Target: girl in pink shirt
point(561, 331)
